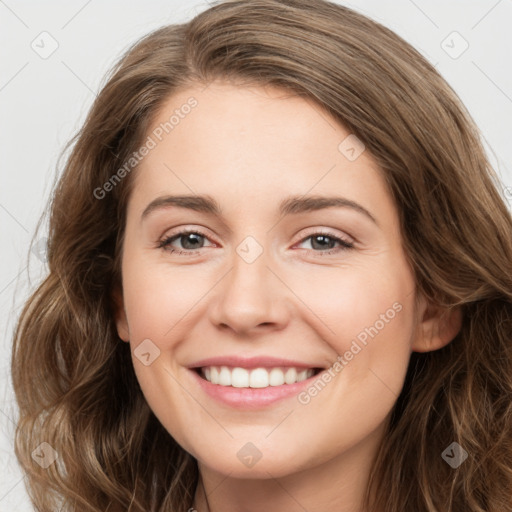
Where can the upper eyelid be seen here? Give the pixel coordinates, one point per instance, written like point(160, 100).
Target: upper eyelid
point(310, 232)
point(185, 231)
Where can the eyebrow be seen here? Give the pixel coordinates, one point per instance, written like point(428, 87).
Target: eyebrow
point(292, 205)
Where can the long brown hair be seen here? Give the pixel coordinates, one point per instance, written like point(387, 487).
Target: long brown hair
point(73, 378)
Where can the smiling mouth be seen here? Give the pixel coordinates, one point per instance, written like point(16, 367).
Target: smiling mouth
point(255, 378)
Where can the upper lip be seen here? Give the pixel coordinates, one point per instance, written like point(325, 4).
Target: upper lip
point(252, 362)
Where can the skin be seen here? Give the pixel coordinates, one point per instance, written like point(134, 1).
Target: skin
point(249, 148)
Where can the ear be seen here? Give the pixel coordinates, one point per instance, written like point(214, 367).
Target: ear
point(437, 327)
point(120, 314)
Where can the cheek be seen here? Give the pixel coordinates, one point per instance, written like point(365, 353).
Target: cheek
point(161, 301)
point(367, 319)
point(358, 303)
point(162, 305)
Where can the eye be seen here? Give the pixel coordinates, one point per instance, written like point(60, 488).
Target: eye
point(191, 242)
point(190, 239)
point(325, 240)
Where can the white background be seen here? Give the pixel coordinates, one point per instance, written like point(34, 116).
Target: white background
point(44, 101)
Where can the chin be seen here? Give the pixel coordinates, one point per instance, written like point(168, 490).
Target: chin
point(248, 460)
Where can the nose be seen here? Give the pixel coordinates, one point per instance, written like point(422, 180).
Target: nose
point(251, 297)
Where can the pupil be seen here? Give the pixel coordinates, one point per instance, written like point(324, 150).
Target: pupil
point(320, 237)
point(187, 240)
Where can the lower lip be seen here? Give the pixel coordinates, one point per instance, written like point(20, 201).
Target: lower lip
point(251, 398)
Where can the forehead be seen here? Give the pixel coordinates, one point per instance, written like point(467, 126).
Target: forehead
point(254, 146)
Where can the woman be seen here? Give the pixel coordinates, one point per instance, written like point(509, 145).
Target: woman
point(187, 351)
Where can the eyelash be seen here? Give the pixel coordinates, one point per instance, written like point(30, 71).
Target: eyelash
point(164, 243)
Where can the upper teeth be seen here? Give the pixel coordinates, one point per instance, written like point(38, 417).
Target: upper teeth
point(256, 378)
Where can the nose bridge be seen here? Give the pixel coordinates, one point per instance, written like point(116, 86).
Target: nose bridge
point(249, 291)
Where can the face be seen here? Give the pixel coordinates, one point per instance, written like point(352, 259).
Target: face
point(280, 284)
